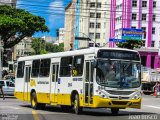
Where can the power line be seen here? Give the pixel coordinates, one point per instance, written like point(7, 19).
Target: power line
point(62, 14)
point(85, 9)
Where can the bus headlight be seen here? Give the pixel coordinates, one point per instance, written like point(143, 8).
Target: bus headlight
point(103, 95)
point(137, 95)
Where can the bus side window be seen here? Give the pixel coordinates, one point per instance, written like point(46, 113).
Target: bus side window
point(66, 66)
point(20, 70)
point(35, 68)
point(53, 73)
point(55, 69)
point(45, 67)
point(78, 66)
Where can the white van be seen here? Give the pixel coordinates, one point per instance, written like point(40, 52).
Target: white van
point(8, 87)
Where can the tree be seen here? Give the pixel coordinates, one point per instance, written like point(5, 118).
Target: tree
point(15, 24)
point(130, 44)
point(38, 44)
point(42, 47)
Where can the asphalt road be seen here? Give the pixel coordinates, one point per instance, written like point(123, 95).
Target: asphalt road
point(13, 109)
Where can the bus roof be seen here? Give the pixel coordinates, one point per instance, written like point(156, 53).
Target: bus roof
point(69, 53)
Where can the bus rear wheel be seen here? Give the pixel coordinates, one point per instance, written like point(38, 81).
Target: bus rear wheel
point(114, 111)
point(34, 103)
point(77, 107)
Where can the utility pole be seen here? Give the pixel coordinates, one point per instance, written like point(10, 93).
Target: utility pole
point(1, 49)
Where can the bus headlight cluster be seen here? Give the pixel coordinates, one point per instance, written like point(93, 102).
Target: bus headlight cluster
point(102, 95)
point(136, 96)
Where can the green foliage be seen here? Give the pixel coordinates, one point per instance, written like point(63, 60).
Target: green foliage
point(17, 24)
point(42, 47)
point(130, 44)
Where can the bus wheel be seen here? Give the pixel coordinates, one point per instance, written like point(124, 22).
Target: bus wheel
point(34, 103)
point(77, 108)
point(114, 111)
point(65, 108)
point(42, 106)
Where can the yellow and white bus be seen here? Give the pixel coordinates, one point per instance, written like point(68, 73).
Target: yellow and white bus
point(91, 78)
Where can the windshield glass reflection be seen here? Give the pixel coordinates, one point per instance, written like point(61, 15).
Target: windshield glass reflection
point(118, 74)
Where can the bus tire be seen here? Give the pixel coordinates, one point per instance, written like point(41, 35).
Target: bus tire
point(66, 108)
point(42, 106)
point(114, 111)
point(77, 108)
point(34, 104)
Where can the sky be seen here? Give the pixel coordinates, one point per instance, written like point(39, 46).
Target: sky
point(51, 10)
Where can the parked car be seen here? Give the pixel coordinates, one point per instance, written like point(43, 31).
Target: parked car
point(8, 87)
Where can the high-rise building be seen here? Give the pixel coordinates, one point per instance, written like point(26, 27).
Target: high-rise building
point(69, 25)
point(61, 35)
point(94, 22)
point(90, 19)
point(138, 14)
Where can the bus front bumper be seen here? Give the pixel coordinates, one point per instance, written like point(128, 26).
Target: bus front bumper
point(114, 103)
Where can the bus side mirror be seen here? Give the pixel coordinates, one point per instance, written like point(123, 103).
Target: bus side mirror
point(94, 63)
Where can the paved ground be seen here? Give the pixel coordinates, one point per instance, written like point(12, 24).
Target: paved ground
point(13, 109)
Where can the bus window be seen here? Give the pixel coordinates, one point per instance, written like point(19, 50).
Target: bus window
point(20, 70)
point(78, 66)
point(45, 67)
point(53, 73)
point(35, 68)
point(66, 66)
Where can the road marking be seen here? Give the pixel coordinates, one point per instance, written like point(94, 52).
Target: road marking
point(12, 107)
point(35, 115)
point(152, 106)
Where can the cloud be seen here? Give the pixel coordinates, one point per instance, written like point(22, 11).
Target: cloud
point(56, 10)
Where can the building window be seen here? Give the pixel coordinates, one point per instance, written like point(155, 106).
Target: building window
point(154, 4)
point(92, 4)
point(152, 45)
point(97, 35)
point(45, 68)
point(65, 68)
point(91, 44)
point(92, 15)
point(133, 27)
point(91, 35)
point(98, 25)
point(153, 30)
point(98, 5)
point(91, 25)
point(144, 30)
point(154, 17)
point(20, 70)
point(134, 16)
point(78, 66)
point(144, 3)
point(134, 3)
point(144, 17)
point(35, 68)
point(105, 24)
point(98, 15)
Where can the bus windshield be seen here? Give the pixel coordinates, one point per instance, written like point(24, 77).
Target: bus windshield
point(118, 74)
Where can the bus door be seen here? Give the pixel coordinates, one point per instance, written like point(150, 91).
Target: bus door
point(88, 85)
point(26, 95)
point(54, 83)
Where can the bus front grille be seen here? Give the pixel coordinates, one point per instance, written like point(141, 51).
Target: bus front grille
point(115, 97)
point(119, 92)
point(119, 102)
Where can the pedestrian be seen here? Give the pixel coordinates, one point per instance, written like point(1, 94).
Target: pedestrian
point(157, 89)
point(1, 88)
